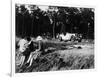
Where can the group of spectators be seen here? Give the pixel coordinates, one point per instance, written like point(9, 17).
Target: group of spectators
point(27, 50)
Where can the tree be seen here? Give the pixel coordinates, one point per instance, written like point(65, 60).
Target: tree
point(33, 21)
point(52, 14)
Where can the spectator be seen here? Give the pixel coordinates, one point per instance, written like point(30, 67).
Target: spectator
point(23, 49)
point(36, 53)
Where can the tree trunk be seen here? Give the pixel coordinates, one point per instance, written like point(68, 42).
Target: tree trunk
point(54, 29)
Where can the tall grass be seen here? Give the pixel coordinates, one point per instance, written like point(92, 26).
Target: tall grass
point(53, 61)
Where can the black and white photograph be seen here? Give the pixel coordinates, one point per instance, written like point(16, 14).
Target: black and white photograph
point(53, 38)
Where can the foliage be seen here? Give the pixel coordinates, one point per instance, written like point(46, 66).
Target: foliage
point(33, 21)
